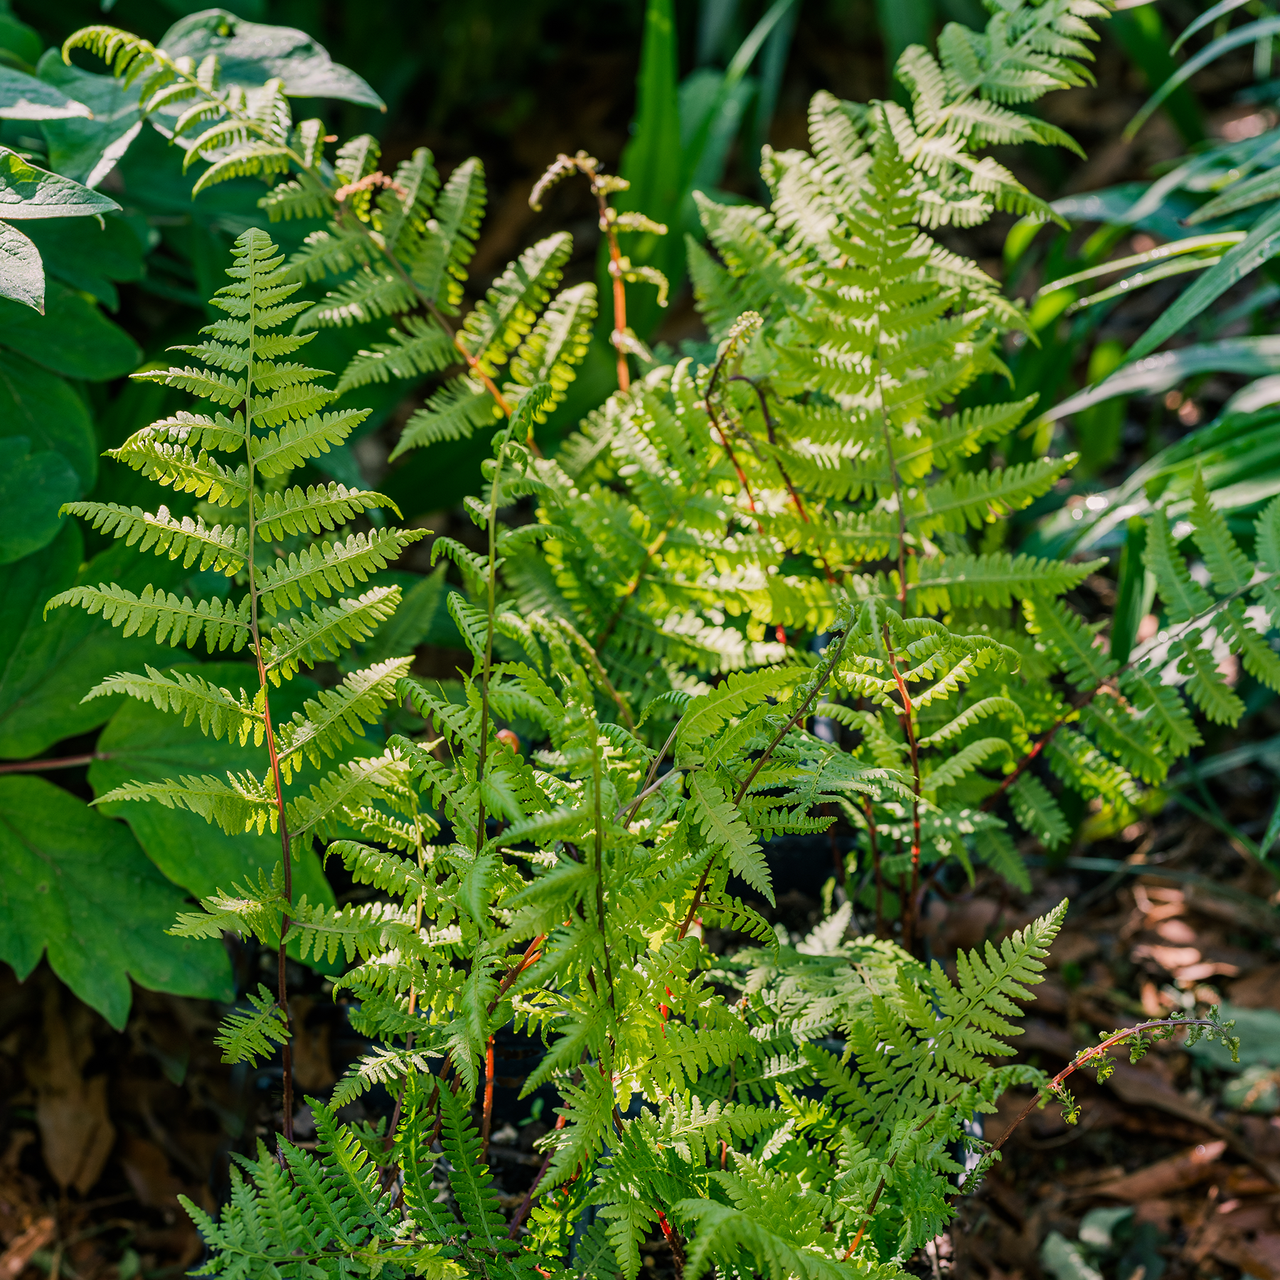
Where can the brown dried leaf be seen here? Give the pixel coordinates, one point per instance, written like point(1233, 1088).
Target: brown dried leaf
point(1177, 1173)
point(147, 1168)
point(76, 1133)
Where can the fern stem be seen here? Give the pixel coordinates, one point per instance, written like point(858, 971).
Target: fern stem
point(282, 977)
point(677, 1247)
point(782, 471)
point(897, 490)
point(720, 431)
point(619, 335)
point(487, 667)
point(649, 785)
point(908, 725)
point(597, 669)
point(599, 852)
point(791, 723)
point(487, 1119)
point(873, 836)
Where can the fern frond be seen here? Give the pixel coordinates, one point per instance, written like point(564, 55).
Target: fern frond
point(498, 322)
point(337, 716)
point(322, 569)
point(195, 543)
point(219, 712)
point(299, 441)
point(251, 1036)
point(422, 348)
point(456, 412)
point(319, 508)
point(326, 631)
point(176, 620)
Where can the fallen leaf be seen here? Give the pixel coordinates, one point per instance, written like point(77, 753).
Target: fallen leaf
point(1176, 931)
point(147, 1168)
point(1258, 1257)
point(1177, 1173)
point(1169, 958)
point(76, 1133)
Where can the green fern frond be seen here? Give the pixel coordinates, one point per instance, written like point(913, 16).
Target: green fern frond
point(195, 543)
point(508, 311)
point(219, 712)
point(326, 631)
point(176, 620)
point(250, 1036)
point(330, 567)
point(456, 412)
point(319, 509)
point(339, 715)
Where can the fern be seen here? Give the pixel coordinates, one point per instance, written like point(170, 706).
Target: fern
point(811, 525)
point(277, 423)
point(392, 245)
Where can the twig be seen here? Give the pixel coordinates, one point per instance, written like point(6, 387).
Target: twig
point(63, 762)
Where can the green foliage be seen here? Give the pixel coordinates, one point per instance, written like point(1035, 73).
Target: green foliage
point(392, 246)
point(269, 544)
point(810, 529)
point(79, 887)
point(835, 444)
point(575, 917)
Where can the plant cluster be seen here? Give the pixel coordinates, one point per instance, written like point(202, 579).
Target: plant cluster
point(764, 588)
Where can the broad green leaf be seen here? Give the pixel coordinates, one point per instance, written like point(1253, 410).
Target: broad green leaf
point(251, 53)
point(88, 150)
point(19, 39)
point(48, 665)
point(41, 406)
point(23, 97)
point(1250, 356)
point(77, 885)
point(144, 744)
point(33, 487)
point(1263, 243)
point(21, 271)
point(88, 255)
point(1065, 1259)
point(28, 192)
point(74, 338)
